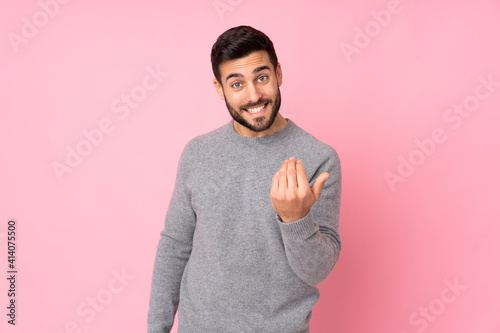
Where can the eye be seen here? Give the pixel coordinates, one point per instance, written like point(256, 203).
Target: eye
point(262, 78)
point(236, 85)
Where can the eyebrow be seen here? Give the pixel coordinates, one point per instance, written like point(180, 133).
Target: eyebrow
point(258, 69)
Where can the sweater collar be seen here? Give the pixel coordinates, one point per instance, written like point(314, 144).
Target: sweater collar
point(259, 140)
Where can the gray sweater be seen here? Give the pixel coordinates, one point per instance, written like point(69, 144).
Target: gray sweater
point(225, 260)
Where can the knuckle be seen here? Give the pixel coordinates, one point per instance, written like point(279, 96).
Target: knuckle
point(292, 196)
point(303, 193)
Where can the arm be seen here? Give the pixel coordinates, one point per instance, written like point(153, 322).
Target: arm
point(173, 252)
point(309, 217)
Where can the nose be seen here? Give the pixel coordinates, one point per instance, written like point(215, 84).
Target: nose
point(253, 94)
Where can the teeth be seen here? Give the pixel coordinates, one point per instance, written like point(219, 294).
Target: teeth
point(255, 110)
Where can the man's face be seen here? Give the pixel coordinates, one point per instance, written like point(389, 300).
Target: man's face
point(250, 88)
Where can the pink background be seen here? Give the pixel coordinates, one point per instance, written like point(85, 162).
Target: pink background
point(419, 254)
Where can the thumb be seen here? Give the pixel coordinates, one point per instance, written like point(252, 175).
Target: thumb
point(319, 183)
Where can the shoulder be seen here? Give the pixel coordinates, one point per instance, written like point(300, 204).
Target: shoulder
point(314, 147)
point(204, 144)
point(215, 135)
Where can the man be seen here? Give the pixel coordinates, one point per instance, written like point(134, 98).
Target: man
point(246, 238)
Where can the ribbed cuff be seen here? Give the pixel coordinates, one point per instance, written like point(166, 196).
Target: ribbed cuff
point(302, 228)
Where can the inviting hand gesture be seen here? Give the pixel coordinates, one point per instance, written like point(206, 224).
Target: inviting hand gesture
point(291, 196)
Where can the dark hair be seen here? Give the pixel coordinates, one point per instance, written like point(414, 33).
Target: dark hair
point(238, 42)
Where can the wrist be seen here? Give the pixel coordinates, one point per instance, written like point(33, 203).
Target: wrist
point(290, 219)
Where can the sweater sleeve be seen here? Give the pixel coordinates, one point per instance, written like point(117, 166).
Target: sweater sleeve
point(173, 252)
point(312, 244)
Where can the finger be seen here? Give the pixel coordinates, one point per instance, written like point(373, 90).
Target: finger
point(319, 183)
point(282, 181)
point(291, 173)
point(301, 176)
point(274, 184)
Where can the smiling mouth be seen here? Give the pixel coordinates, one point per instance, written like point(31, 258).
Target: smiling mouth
point(258, 110)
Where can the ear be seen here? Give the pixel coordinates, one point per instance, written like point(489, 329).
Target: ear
point(279, 74)
point(219, 89)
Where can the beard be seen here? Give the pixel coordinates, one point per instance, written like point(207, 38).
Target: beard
point(260, 124)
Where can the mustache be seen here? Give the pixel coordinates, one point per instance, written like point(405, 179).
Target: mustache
point(259, 102)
